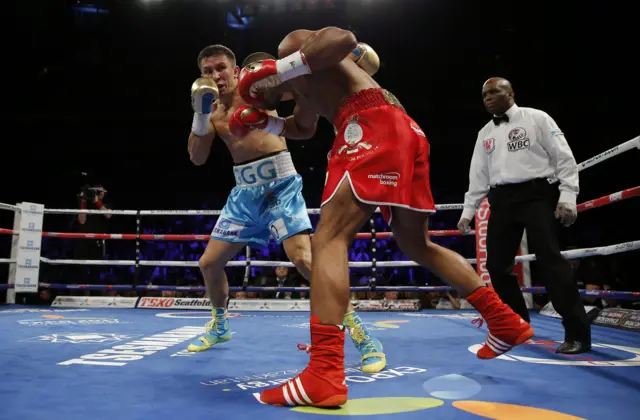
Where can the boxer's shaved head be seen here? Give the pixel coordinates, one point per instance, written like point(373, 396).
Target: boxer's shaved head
point(497, 95)
point(257, 56)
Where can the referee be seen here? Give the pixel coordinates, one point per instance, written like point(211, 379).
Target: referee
point(515, 154)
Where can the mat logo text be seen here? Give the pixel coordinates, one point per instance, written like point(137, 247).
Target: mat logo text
point(131, 351)
point(68, 321)
point(81, 338)
point(389, 373)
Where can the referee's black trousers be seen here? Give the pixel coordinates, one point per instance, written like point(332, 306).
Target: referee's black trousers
point(531, 205)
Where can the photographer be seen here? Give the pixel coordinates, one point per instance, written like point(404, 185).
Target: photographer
point(91, 198)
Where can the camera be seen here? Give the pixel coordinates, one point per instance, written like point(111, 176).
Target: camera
point(90, 193)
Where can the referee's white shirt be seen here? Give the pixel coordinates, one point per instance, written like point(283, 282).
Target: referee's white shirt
point(529, 146)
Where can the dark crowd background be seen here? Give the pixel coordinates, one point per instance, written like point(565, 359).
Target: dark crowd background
point(98, 92)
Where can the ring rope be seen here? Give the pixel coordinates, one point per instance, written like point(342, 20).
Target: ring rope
point(607, 154)
point(613, 294)
point(621, 148)
point(195, 237)
point(587, 205)
point(571, 254)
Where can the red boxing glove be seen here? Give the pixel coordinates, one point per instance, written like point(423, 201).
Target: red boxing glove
point(247, 118)
point(266, 74)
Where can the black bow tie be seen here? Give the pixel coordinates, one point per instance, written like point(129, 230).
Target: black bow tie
point(498, 120)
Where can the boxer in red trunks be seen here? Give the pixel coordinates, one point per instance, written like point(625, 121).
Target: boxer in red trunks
point(380, 157)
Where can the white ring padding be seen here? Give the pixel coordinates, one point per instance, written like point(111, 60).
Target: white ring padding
point(573, 254)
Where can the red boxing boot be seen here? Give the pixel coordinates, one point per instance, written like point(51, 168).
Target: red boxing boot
point(322, 383)
point(506, 328)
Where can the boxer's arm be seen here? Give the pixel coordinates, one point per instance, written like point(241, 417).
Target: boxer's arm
point(200, 146)
point(302, 124)
point(321, 49)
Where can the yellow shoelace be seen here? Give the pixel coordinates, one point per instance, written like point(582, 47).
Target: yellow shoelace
point(359, 336)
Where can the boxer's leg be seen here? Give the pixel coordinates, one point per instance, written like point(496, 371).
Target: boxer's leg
point(322, 382)
point(340, 220)
point(506, 328)
point(212, 264)
point(298, 249)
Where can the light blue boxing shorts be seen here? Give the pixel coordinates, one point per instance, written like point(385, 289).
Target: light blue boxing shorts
point(266, 202)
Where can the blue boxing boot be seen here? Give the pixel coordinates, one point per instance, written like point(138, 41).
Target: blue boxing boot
point(216, 331)
point(370, 348)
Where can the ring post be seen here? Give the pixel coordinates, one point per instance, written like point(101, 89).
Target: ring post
point(374, 249)
point(245, 281)
point(136, 270)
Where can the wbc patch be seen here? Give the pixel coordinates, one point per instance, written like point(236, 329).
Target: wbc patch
point(489, 145)
point(518, 140)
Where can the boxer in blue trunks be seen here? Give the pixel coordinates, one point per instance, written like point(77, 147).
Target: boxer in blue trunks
point(266, 202)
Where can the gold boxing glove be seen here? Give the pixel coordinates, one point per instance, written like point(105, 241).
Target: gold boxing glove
point(204, 93)
point(366, 58)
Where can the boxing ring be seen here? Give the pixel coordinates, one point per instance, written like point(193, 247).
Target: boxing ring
point(126, 358)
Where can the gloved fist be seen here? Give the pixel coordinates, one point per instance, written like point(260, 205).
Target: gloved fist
point(366, 58)
point(567, 213)
point(463, 225)
point(204, 93)
point(247, 118)
point(257, 77)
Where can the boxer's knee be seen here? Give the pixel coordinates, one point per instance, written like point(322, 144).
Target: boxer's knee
point(211, 262)
point(300, 256)
point(302, 261)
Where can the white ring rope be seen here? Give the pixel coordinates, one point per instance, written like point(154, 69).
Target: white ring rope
point(194, 212)
point(572, 254)
point(624, 147)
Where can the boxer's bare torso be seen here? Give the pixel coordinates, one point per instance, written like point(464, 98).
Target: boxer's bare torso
point(250, 147)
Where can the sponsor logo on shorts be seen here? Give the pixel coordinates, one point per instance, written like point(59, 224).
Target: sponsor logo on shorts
point(278, 229)
point(353, 135)
point(69, 321)
point(389, 178)
point(138, 349)
point(80, 338)
point(258, 173)
point(227, 228)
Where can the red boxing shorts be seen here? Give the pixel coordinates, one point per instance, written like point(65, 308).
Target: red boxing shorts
point(382, 152)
